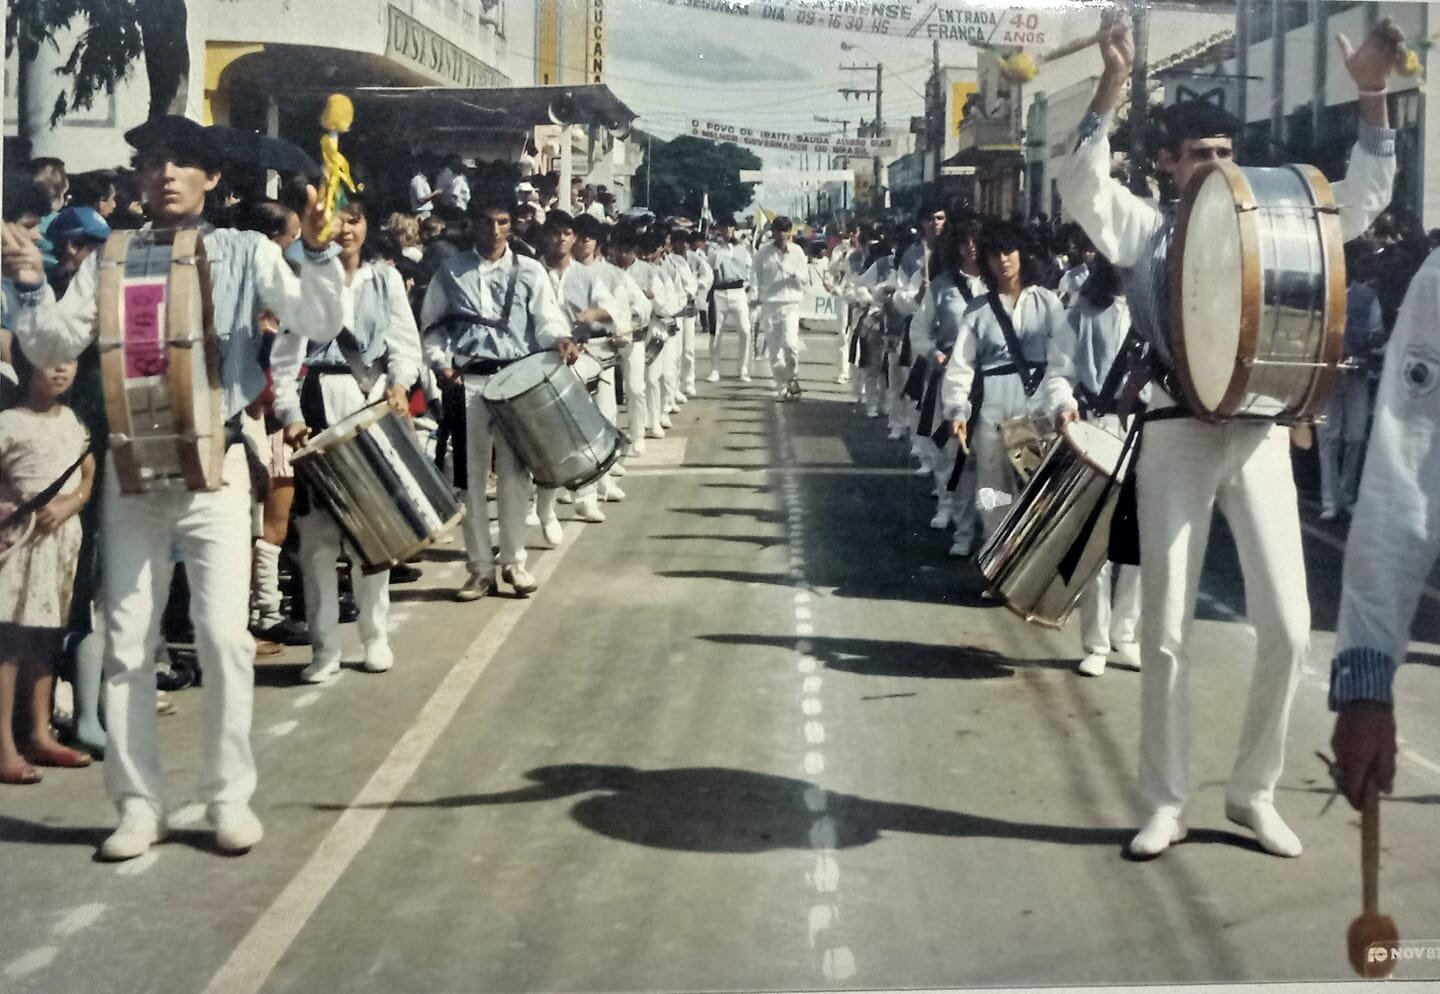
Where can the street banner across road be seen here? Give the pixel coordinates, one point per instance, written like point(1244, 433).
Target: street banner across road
point(1034, 28)
point(790, 141)
point(797, 177)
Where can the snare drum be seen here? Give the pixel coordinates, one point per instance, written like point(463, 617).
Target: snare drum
point(160, 361)
point(370, 473)
point(1022, 558)
point(544, 411)
point(1257, 293)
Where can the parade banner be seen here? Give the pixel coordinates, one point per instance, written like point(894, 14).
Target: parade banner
point(1034, 28)
point(790, 141)
point(798, 177)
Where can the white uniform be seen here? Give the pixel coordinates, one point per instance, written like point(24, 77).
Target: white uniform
point(377, 311)
point(1395, 533)
point(868, 290)
point(777, 281)
point(211, 530)
point(666, 302)
point(1187, 467)
point(683, 276)
point(467, 326)
point(731, 264)
point(632, 322)
point(704, 279)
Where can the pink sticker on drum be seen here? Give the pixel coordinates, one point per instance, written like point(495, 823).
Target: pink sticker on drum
point(145, 348)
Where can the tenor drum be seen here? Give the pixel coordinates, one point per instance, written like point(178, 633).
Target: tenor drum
point(1257, 293)
point(1021, 560)
point(370, 473)
point(549, 418)
point(160, 361)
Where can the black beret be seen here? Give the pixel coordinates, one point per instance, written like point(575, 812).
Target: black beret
point(178, 134)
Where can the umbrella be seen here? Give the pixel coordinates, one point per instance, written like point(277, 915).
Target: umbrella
point(250, 148)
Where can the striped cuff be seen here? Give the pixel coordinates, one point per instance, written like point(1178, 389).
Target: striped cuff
point(1379, 142)
point(1361, 674)
point(332, 251)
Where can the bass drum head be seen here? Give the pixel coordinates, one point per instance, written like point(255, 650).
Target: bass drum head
point(1210, 291)
point(1096, 445)
point(521, 376)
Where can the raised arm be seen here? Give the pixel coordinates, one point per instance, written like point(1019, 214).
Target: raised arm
point(312, 300)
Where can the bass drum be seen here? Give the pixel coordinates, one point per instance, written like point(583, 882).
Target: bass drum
point(1256, 293)
point(1021, 560)
point(369, 472)
point(545, 412)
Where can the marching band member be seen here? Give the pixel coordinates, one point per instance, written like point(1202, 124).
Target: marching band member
point(868, 290)
point(178, 163)
point(667, 300)
point(623, 253)
point(485, 309)
point(1187, 466)
point(704, 280)
point(631, 315)
point(730, 262)
point(933, 333)
point(1003, 337)
point(1341, 436)
point(1393, 543)
point(1081, 355)
point(848, 261)
point(778, 277)
point(917, 265)
point(587, 305)
point(683, 276)
point(375, 357)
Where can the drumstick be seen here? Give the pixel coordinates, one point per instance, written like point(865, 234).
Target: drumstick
point(1372, 935)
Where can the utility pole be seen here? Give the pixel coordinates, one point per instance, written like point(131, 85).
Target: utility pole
point(877, 126)
point(935, 113)
point(1139, 98)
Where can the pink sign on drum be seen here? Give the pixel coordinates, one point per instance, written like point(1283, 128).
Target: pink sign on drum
point(145, 348)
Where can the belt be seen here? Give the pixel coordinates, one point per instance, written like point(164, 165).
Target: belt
point(1004, 369)
point(328, 368)
point(485, 367)
point(729, 285)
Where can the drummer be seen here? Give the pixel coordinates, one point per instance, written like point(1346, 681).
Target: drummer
point(1187, 466)
point(587, 304)
point(622, 252)
point(376, 357)
point(1003, 338)
point(485, 309)
point(178, 163)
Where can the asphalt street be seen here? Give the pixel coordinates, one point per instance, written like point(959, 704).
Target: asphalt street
point(754, 732)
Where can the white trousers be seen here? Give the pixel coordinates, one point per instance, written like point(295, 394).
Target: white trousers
point(660, 383)
point(636, 402)
point(1341, 438)
point(732, 313)
point(211, 531)
point(320, 545)
point(898, 407)
point(1108, 620)
point(997, 485)
point(512, 495)
point(685, 354)
point(960, 501)
point(1187, 468)
point(780, 324)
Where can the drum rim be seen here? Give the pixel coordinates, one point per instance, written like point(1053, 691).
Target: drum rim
point(1250, 287)
point(541, 358)
point(1332, 238)
point(1084, 453)
point(352, 424)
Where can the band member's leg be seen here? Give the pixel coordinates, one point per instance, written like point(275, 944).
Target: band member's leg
point(1125, 613)
point(319, 548)
point(636, 397)
point(654, 395)
point(479, 555)
point(512, 496)
point(669, 378)
point(996, 485)
point(790, 341)
point(136, 542)
point(213, 535)
point(372, 598)
point(1259, 503)
point(1356, 429)
point(1094, 607)
point(687, 355)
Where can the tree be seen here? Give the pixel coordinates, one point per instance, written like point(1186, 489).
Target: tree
point(681, 171)
point(116, 33)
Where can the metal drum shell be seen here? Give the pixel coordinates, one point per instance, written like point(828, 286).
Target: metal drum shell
point(1292, 294)
point(373, 478)
point(1020, 561)
point(545, 412)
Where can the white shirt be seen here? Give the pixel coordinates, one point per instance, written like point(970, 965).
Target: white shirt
point(420, 191)
point(1037, 316)
point(777, 278)
point(458, 190)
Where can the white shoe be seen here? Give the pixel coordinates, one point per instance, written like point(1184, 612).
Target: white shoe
point(783, 394)
point(962, 548)
point(477, 585)
point(654, 432)
point(321, 670)
point(378, 657)
point(552, 531)
point(872, 412)
point(896, 434)
point(1092, 665)
point(843, 378)
point(941, 521)
point(589, 510)
point(714, 376)
point(637, 446)
point(1274, 836)
point(1126, 654)
point(665, 421)
point(519, 578)
point(612, 493)
point(744, 377)
point(617, 471)
point(532, 516)
point(565, 497)
point(924, 469)
point(681, 398)
point(139, 829)
point(237, 830)
point(1160, 832)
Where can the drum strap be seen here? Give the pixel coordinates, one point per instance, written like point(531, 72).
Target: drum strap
point(1030, 374)
point(366, 374)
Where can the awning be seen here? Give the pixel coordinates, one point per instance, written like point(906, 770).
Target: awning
point(450, 111)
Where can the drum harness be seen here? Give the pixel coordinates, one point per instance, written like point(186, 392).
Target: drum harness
point(488, 367)
point(927, 390)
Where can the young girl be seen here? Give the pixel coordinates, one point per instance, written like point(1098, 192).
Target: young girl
point(39, 441)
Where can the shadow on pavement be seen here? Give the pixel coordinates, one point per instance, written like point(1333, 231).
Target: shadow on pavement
point(764, 541)
point(769, 517)
point(878, 657)
point(720, 810)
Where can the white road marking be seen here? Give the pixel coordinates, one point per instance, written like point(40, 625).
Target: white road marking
point(811, 706)
point(252, 961)
point(825, 877)
point(804, 628)
point(306, 699)
point(802, 614)
point(838, 963)
point(812, 685)
point(814, 732)
point(35, 959)
point(79, 919)
point(822, 916)
point(802, 597)
point(814, 763)
point(807, 664)
point(138, 865)
point(282, 728)
point(816, 799)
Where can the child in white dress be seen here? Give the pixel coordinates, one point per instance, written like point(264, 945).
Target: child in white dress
point(41, 440)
